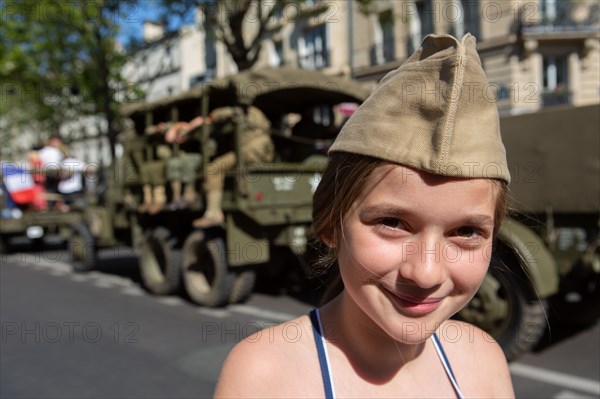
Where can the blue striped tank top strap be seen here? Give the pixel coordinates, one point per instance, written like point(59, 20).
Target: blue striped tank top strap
point(322, 353)
point(446, 363)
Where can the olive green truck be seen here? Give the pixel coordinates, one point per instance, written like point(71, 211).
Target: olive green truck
point(547, 258)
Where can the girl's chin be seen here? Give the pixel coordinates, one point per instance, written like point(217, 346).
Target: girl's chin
point(412, 332)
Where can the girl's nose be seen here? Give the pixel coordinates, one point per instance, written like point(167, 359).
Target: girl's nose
point(423, 263)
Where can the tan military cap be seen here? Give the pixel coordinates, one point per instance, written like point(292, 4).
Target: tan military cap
point(434, 113)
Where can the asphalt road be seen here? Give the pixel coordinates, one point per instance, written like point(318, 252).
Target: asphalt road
point(100, 335)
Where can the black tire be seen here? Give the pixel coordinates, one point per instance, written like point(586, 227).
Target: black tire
point(206, 276)
point(507, 307)
point(82, 248)
point(160, 262)
point(578, 299)
point(243, 285)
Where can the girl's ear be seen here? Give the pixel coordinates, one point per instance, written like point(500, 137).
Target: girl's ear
point(329, 239)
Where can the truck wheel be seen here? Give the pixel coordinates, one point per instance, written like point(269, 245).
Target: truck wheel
point(160, 263)
point(82, 248)
point(579, 296)
point(206, 275)
point(242, 286)
point(506, 306)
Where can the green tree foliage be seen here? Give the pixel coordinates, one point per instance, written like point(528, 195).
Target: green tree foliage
point(59, 62)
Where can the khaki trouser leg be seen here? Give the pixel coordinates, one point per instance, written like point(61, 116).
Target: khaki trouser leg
point(215, 180)
point(213, 215)
point(215, 171)
point(190, 196)
point(176, 190)
point(147, 200)
point(159, 199)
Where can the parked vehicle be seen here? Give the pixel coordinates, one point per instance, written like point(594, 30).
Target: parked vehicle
point(548, 258)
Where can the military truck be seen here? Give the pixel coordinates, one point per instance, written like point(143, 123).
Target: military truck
point(267, 206)
point(547, 263)
point(22, 221)
point(546, 258)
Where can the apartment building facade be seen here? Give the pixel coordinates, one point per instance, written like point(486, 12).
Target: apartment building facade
point(537, 53)
point(170, 62)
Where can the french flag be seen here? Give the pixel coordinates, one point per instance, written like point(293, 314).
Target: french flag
point(18, 183)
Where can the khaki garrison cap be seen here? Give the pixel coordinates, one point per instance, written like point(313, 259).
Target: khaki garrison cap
point(434, 113)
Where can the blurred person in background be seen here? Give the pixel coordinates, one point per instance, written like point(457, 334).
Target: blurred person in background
point(51, 156)
point(71, 185)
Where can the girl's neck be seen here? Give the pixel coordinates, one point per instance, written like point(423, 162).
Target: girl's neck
point(369, 349)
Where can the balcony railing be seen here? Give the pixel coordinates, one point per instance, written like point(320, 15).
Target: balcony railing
point(554, 98)
point(566, 16)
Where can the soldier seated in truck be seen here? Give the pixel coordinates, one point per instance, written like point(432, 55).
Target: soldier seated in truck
point(256, 147)
point(182, 168)
point(152, 172)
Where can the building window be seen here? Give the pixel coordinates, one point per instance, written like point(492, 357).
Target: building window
point(313, 49)
point(383, 50)
point(548, 11)
point(470, 16)
point(277, 54)
point(421, 24)
point(466, 17)
point(210, 53)
point(555, 81)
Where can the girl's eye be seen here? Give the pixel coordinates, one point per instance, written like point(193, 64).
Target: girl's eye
point(393, 223)
point(468, 232)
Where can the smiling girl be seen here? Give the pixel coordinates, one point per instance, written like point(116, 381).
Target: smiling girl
point(407, 209)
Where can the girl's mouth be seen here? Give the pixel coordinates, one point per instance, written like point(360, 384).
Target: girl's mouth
point(413, 306)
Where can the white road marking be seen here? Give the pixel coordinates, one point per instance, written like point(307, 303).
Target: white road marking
point(556, 378)
point(570, 395)
point(170, 300)
point(118, 281)
point(54, 265)
point(96, 275)
point(261, 313)
point(19, 262)
point(216, 313)
point(39, 260)
point(133, 291)
point(103, 284)
point(80, 277)
point(58, 272)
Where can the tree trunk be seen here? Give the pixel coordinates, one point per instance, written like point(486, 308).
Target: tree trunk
point(106, 94)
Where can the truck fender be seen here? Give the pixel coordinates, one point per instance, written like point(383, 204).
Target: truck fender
point(536, 259)
point(246, 244)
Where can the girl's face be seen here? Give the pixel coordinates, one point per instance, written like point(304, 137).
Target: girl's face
point(414, 248)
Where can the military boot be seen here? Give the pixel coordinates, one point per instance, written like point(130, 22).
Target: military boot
point(159, 199)
point(213, 216)
point(147, 200)
point(190, 196)
point(176, 200)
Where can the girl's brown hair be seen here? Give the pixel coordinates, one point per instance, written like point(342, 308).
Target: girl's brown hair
point(342, 182)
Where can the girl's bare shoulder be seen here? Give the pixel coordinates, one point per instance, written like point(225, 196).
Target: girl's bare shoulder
point(271, 362)
point(477, 360)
